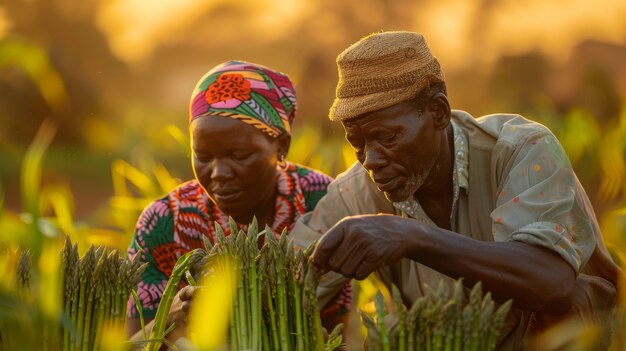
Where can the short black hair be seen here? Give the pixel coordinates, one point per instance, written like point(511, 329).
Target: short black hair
point(425, 94)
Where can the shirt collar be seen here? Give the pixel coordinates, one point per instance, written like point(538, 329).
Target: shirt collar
point(460, 175)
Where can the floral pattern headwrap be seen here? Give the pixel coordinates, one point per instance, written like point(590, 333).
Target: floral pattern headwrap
point(248, 92)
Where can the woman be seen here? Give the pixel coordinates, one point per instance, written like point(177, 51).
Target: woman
point(240, 118)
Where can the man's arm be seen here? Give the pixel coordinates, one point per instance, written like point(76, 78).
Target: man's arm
point(536, 278)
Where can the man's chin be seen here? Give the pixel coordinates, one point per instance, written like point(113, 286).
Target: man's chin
point(396, 196)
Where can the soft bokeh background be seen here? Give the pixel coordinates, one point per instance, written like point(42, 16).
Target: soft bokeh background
point(106, 84)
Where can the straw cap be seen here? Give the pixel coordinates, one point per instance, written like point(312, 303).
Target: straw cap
point(381, 70)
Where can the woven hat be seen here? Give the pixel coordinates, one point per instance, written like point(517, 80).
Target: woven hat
point(381, 70)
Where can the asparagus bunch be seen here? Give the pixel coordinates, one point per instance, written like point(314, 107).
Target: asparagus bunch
point(97, 287)
point(440, 320)
point(275, 305)
point(93, 291)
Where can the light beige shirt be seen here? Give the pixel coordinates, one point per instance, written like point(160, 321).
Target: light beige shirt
point(520, 186)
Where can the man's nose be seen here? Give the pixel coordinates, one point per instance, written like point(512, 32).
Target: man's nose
point(374, 159)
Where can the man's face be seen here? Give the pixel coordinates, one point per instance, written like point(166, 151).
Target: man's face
point(397, 145)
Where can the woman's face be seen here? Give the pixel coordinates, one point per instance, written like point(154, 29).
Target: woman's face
point(235, 163)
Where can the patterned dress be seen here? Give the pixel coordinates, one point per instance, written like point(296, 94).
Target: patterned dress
point(176, 224)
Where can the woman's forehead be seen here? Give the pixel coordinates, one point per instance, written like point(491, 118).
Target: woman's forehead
point(224, 130)
point(219, 124)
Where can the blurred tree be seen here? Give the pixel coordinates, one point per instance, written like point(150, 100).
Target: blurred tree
point(77, 50)
point(516, 81)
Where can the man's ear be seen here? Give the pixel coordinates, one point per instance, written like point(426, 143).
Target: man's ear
point(439, 108)
point(284, 141)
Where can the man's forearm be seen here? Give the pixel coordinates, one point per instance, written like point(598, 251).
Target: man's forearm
point(536, 278)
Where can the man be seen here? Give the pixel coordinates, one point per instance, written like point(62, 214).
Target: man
point(438, 195)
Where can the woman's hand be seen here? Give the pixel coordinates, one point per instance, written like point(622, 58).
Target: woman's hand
point(179, 311)
point(359, 245)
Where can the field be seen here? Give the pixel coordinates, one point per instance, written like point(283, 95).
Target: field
point(89, 136)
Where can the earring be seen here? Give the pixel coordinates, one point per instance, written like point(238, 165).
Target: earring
point(282, 164)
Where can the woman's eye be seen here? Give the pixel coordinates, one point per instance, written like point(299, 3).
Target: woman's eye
point(204, 158)
point(241, 156)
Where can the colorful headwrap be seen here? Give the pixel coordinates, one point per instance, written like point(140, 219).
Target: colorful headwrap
point(248, 92)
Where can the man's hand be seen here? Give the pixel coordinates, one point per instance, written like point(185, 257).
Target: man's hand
point(356, 246)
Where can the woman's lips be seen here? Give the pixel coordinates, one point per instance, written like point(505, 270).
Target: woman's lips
point(226, 195)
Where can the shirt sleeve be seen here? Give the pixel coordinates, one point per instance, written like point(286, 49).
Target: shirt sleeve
point(334, 292)
point(541, 203)
point(152, 233)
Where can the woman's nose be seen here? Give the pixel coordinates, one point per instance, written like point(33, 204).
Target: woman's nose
point(220, 170)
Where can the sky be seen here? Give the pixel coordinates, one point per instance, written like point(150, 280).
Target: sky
point(456, 29)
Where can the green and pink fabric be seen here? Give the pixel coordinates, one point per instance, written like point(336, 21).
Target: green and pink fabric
point(248, 92)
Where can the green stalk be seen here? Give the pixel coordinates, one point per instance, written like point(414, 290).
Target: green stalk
point(106, 307)
point(373, 336)
point(311, 281)
point(272, 316)
point(140, 310)
point(430, 315)
point(457, 295)
point(64, 261)
point(219, 234)
point(69, 289)
point(98, 288)
point(86, 267)
point(242, 324)
point(91, 293)
point(253, 280)
point(440, 325)
point(236, 315)
point(234, 228)
point(475, 304)
point(234, 342)
point(265, 338)
point(80, 314)
point(401, 310)
point(75, 297)
point(335, 338)
point(114, 268)
point(484, 321)
point(303, 269)
point(272, 304)
point(412, 318)
point(259, 297)
point(281, 301)
point(423, 325)
point(86, 339)
point(242, 291)
point(182, 265)
point(496, 324)
point(297, 298)
point(292, 318)
point(467, 327)
point(100, 306)
point(118, 292)
point(382, 328)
